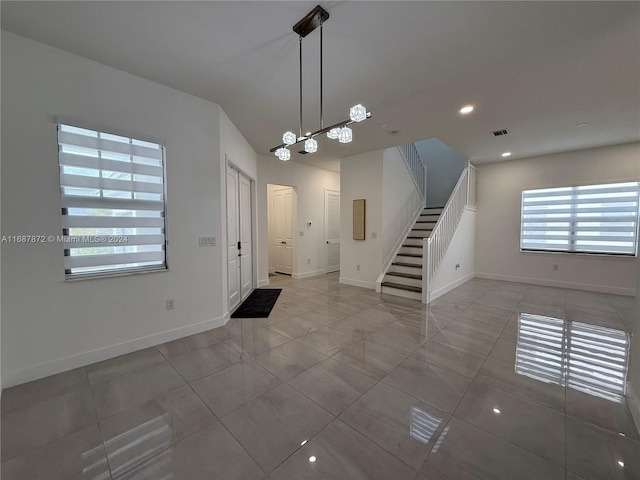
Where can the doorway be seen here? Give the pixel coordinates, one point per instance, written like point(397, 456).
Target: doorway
point(332, 229)
point(281, 206)
point(239, 237)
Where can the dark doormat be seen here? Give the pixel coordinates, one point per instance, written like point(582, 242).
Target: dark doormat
point(258, 304)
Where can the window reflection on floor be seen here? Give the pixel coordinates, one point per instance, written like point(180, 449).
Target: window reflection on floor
point(423, 425)
point(588, 358)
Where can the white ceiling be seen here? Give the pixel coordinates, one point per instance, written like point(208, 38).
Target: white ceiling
point(536, 68)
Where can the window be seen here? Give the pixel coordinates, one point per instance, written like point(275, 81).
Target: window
point(600, 219)
point(113, 203)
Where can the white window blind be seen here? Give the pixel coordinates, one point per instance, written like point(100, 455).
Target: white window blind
point(584, 219)
point(113, 202)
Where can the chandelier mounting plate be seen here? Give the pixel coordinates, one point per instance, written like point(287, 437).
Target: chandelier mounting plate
point(311, 21)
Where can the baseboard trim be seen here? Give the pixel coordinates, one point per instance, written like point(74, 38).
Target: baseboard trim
point(560, 284)
point(634, 404)
point(358, 283)
point(263, 283)
point(447, 288)
point(315, 273)
point(60, 365)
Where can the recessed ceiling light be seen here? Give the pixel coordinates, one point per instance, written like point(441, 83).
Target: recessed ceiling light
point(506, 154)
point(621, 463)
point(307, 134)
point(312, 458)
point(582, 124)
point(496, 410)
point(303, 442)
point(466, 109)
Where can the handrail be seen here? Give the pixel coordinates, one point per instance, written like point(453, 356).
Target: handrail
point(435, 247)
point(418, 170)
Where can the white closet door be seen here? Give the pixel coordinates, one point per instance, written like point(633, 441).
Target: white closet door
point(332, 229)
point(246, 250)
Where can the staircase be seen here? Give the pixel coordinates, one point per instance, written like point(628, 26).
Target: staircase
point(404, 277)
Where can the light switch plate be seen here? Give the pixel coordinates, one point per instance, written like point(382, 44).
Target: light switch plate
point(207, 241)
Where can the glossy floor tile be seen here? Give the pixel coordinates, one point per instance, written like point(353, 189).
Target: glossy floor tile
point(493, 380)
point(275, 425)
point(332, 385)
point(465, 452)
point(429, 383)
point(340, 452)
point(399, 423)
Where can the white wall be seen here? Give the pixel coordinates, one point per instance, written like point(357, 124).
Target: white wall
point(361, 177)
point(499, 189)
point(444, 167)
point(50, 325)
point(309, 185)
point(461, 252)
point(401, 203)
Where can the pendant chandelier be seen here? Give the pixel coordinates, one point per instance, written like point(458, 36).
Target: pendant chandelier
point(340, 131)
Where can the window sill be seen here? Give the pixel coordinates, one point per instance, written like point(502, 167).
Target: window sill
point(97, 276)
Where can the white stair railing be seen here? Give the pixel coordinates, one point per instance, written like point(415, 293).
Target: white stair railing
point(435, 247)
point(415, 165)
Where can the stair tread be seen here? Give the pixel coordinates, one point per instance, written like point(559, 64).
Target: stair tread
point(399, 286)
point(415, 255)
point(422, 229)
point(405, 275)
point(412, 246)
point(425, 221)
point(415, 238)
point(404, 264)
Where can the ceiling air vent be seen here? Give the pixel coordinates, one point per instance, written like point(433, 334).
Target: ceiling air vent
point(497, 133)
point(302, 152)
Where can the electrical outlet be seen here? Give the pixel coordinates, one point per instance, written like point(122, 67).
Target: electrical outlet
point(374, 234)
point(308, 261)
point(357, 267)
point(555, 266)
point(301, 233)
point(170, 304)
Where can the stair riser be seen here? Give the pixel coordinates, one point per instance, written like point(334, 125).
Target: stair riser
point(410, 250)
point(411, 260)
point(402, 293)
point(400, 269)
point(420, 233)
point(412, 282)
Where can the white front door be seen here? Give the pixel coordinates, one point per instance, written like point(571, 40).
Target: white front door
point(246, 259)
point(239, 244)
point(283, 228)
point(332, 229)
point(233, 236)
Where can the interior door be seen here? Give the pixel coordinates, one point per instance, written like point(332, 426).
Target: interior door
point(246, 250)
point(283, 228)
point(332, 229)
point(233, 237)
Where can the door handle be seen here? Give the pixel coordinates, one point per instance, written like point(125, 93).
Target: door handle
point(284, 243)
point(239, 246)
point(327, 242)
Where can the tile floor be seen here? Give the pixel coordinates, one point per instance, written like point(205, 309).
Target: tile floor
point(491, 381)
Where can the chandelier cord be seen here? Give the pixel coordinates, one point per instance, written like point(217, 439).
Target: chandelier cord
point(321, 76)
point(300, 85)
